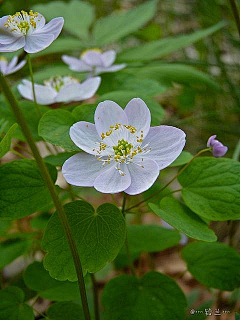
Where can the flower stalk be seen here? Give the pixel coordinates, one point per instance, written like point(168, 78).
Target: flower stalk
point(33, 88)
point(51, 187)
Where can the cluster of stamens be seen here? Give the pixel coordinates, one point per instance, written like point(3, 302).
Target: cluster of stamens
point(22, 21)
point(124, 151)
point(58, 82)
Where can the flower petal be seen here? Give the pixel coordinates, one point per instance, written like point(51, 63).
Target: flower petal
point(143, 175)
point(113, 68)
point(44, 94)
point(17, 67)
point(53, 27)
point(89, 87)
point(85, 136)
point(40, 21)
point(108, 113)
point(37, 42)
point(92, 58)
point(82, 169)
point(13, 62)
point(108, 57)
point(166, 144)
point(111, 181)
point(13, 46)
point(70, 92)
point(6, 36)
point(138, 115)
point(76, 64)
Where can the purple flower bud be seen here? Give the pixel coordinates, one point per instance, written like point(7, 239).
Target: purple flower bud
point(218, 149)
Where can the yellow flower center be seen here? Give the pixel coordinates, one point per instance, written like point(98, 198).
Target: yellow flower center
point(123, 148)
point(23, 21)
point(87, 50)
point(2, 58)
point(58, 82)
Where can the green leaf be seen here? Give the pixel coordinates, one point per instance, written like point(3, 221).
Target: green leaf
point(38, 279)
point(65, 311)
point(118, 25)
point(12, 249)
point(123, 97)
point(237, 316)
point(4, 226)
point(155, 296)
point(5, 144)
point(23, 190)
point(85, 112)
point(54, 71)
point(99, 237)
point(173, 72)
point(58, 159)
point(151, 238)
point(184, 158)
point(211, 188)
point(162, 47)
point(78, 15)
point(31, 115)
point(213, 264)
point(54, 127)
point(12, 305)
point(183, 219)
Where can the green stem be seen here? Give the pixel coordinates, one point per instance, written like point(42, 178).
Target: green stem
point(18, 154)
point(130, 261)
point(95, 297)
point(33, 88)
point(236, 152)
point(166, 185)
point(51, 187)
point(236, 14)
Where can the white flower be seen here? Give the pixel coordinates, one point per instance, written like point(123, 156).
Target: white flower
point(121, 151)
point(94, 61)
point(60, 89)
point(11, 67)
point(28, 31)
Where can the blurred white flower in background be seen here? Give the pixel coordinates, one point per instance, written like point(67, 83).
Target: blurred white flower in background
point(94, 61)
point(28, 31)
point(10, 67)
point(60, 89)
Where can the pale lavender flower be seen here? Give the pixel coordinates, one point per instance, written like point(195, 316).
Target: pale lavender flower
point(28, 31)
point(94, 61)
point(10, 67)
point(121, 151)
point(60, 89)
point(218, 149)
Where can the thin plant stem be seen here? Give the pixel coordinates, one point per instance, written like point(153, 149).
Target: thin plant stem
point(236, 152)
point(33, 88)
point(95, 297)
point(166, 185)
point(51, 187)
point(130, 261)
point(18, 154)
point(236, 14)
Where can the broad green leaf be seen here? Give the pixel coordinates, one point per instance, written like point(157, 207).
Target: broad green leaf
point(12, 305)
point(61, 45)
point(162, 47)
point(30, 114)
point(183, 219)
point(23, 190)
point(55, 70)
point(4, 226)
point(58, 159)
point(211, 188)
point(85, 112)
point(99, 237)
point(237, 316)
point(5, 144)
point(213, 264)
point(65, 311)
point(155, 296)
point(184, 158)
point(173, 72)
point(38, 279)
point(78, 15)
point(54, 127)
point(12, 249)
point(151, 238)
point(118, 25)
point(123, 97)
